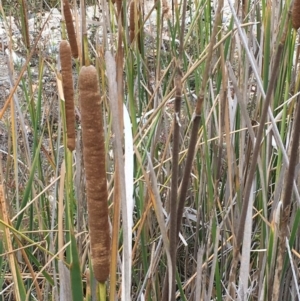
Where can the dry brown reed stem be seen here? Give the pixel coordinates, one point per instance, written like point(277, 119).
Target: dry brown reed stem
point(70, 28)
point(119, 8)
point(174, 183)
point(84, 40)
point(67, 83)
point(173, 235)
point(94, 163)
point(296, 14)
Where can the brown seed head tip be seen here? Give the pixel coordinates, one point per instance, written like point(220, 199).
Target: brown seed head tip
point(88, 79)
point(296, 14)
point(101, 269)
point(71, 144)
point(64, 49)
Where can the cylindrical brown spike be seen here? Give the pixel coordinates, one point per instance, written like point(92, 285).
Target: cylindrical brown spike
point(296, 14)
point(67, 83)
point(131, 21)
point(134, 22)
point(94, 163)
point(70, 28)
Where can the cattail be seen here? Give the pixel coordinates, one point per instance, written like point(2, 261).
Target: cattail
point(131, 21)
point(296, 14)
point(70, 28)
point(94, 163)
point(67, 82)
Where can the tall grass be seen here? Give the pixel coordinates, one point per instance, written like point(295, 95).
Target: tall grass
point(197, 166)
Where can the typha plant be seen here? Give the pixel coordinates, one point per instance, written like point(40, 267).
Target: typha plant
point(202, 174)
point(94, 163)
point(131, 21)
point(70, 28)
point(134, 24)
point(67, 82)
point(296, 14)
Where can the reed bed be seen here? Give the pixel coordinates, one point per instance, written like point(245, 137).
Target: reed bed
point(162, 164)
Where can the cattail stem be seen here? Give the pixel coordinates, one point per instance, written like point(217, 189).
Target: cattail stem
point(102, 291)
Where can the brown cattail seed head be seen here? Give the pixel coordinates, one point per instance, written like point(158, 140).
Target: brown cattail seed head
point(296, 14)
point(131, 21)
point(67, 82)
point(134, 22)
point(94, 163)
point(70, 28)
